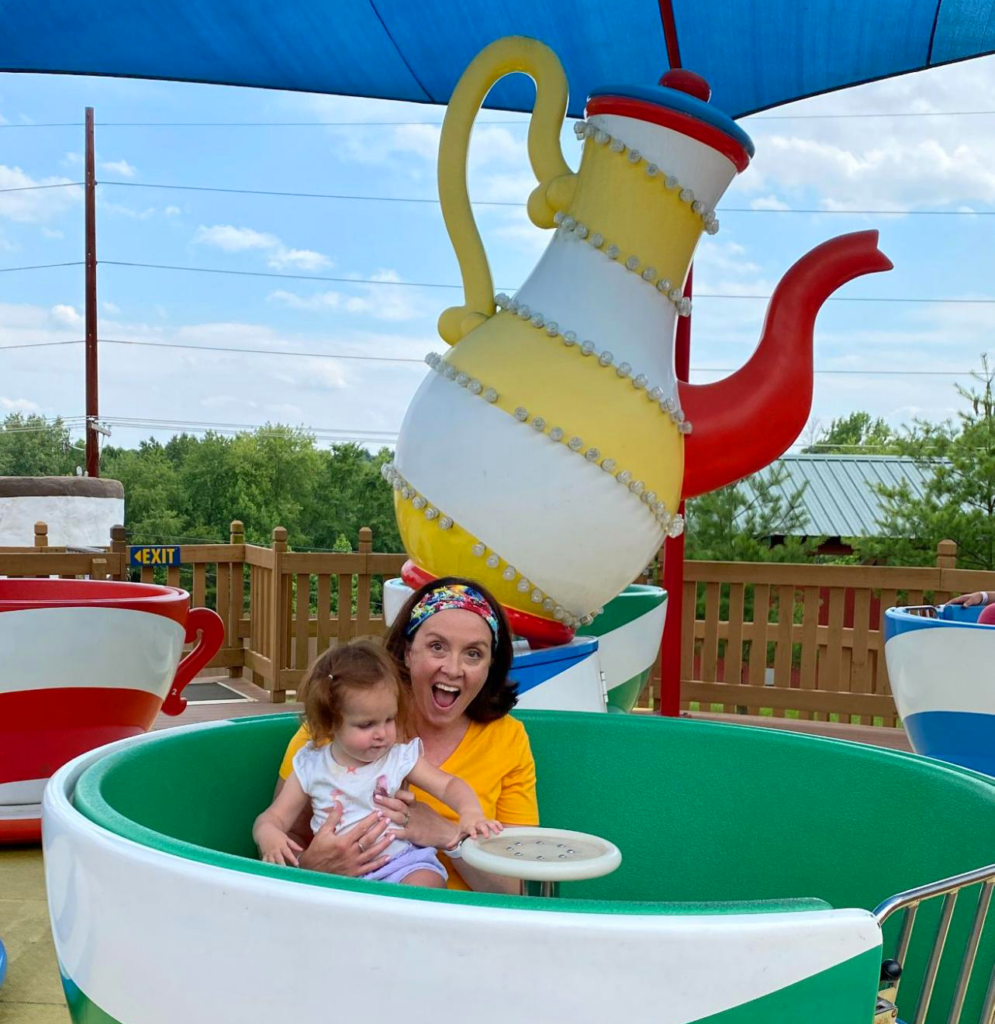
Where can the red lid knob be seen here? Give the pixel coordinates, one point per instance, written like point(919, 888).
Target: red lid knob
point(687, 81)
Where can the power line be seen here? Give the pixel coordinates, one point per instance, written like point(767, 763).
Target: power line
point(295, 195)
point(349, 197)
point(40, 344)
point(855, 213)
point(436, 284)
point(219, 348)
point(508, 123)
point(292, 277)
point(260, 351)
point(41, 266)
point(34, 188)
point(883, 113)
point(323, 433)
point(401, 359)
point(250, 124)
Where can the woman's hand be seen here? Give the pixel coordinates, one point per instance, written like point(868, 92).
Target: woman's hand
point(969, 600)
point(417, 822)
point(353, 853)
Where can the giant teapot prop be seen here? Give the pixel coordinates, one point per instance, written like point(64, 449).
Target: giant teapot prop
point(549, 451)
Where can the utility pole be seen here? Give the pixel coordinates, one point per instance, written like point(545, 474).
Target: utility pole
point(92, 402)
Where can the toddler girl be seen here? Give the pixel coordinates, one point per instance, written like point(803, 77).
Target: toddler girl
point(351, 696)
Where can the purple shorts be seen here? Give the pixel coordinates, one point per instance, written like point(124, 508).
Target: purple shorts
point(416, 858)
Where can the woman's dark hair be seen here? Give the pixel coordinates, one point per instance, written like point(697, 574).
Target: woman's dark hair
point(498, 694)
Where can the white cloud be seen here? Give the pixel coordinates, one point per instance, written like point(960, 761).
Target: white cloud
point(285, 412)
point(768, 203)
point(379, 301)
point(18, 405)
point(126, 211)
point(66, 316)
point(318, 302)
point(888, 163)
point(121, 167)
point(233, 239)
point(51, 233)
point(72, 159)
point(38, 204)
point(172, 211)
point(109, 307)
point(240, 239)
point(300, 259)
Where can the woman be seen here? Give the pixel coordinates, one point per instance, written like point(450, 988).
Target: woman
point(453, 646)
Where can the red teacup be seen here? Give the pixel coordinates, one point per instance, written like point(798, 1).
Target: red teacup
point(83, 663)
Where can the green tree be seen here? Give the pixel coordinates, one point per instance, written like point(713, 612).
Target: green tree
point(856, 434)
point(350, 493)
point(738, 523)
point(958, 500)
point(31, 446)
point(152, 490)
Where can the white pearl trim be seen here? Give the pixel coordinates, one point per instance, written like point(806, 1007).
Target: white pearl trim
point(575, 444)
point(584, 130)
point(479, 550)
point(675, 296)
point(440, 365)
point(590, 454)
point(606, 359)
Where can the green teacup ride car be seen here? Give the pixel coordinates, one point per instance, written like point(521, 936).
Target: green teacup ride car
point(751, 864)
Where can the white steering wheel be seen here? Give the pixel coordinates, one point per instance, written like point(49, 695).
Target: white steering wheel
point(543, 855)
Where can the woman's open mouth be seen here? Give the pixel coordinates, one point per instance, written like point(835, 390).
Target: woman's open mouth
point(444, 695)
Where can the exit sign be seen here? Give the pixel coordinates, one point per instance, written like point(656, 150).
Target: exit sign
point(155, 554)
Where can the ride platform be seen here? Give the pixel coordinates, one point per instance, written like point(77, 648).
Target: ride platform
point(33, 994)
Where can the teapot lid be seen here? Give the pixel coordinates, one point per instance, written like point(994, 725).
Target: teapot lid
point(679, 102)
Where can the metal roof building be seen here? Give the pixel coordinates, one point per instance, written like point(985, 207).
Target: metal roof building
point(840, 499)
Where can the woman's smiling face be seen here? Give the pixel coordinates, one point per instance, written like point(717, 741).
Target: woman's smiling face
point(448, 660)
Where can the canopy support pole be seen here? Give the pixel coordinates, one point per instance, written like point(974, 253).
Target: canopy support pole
point(673, 556)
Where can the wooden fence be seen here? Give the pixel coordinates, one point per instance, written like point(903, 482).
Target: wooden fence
point(803, 640)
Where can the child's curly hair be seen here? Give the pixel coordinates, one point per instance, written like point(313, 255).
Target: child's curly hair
point(357, 665)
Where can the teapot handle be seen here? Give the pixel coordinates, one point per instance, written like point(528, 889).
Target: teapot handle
point(556, 180)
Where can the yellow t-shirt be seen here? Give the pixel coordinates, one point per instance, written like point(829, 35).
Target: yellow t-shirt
point(494, 759)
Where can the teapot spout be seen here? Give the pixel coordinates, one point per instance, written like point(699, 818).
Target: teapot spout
point(744, 422)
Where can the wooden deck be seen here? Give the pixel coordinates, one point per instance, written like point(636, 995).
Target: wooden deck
point(216, 711)
point(32, 993)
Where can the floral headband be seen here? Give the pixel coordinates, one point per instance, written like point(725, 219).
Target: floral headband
point(453, 597)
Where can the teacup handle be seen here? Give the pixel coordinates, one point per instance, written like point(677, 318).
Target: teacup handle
point(212, 635)
point(556, 180)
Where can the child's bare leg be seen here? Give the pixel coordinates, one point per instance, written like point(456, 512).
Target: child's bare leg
point(424, 879)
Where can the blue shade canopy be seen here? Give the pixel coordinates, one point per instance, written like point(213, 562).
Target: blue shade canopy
point(755, 53)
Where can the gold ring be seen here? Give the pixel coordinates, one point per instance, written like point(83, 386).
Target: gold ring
point(359, 843)
point(407, 818)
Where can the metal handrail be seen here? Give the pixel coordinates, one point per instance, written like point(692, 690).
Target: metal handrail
point(948, 888)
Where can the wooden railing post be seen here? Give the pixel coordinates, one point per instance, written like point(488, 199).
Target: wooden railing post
point(946, 558)
point(363, 580)
point(119, 547)
point(946, 554)
point(235, 608)
point(280, 621)
point(41, 535)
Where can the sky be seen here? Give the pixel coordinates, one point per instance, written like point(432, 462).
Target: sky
point(391, 256)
